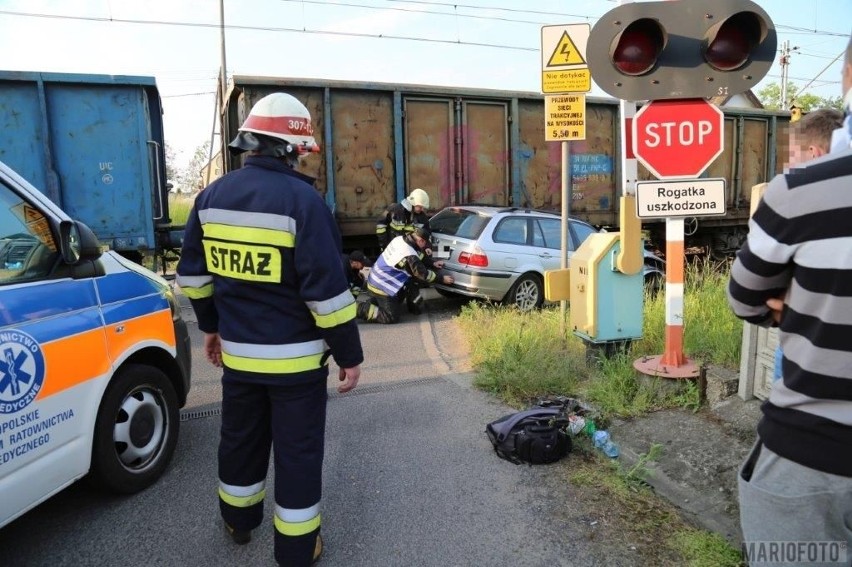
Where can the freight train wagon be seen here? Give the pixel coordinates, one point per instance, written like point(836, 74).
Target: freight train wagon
point(95, 145)
point(379, 141)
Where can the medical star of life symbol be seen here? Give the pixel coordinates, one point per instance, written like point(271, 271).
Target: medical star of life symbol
point(22, 370)
point(12, 367)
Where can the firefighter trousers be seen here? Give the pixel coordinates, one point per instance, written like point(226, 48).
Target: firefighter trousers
point(290, 419)
point(378, 308)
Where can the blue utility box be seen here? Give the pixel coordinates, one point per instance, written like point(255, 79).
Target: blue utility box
point(606, 304)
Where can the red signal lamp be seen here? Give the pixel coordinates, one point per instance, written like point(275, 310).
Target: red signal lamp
point(681, 49)
point(729, 44)
point(638, 47)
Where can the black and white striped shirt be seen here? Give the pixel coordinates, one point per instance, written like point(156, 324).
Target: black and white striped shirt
point(799, 247)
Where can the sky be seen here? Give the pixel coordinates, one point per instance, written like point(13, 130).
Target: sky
point(493, 44)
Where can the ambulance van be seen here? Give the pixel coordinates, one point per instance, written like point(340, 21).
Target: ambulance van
point(94, 358)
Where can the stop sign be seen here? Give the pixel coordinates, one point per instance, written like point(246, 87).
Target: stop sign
point(678, 138)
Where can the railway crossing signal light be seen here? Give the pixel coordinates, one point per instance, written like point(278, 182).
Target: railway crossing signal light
point(681, 49)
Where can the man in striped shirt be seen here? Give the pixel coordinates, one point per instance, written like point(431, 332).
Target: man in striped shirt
point(796, 484)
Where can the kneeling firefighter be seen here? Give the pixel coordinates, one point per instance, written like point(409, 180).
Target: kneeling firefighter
point(261, 266)
point(400, 219)
point(402, 261)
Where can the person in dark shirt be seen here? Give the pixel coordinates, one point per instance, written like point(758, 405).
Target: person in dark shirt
point(354, 264)
point(260, 268)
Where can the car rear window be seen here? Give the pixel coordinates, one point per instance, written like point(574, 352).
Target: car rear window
point(458, 222)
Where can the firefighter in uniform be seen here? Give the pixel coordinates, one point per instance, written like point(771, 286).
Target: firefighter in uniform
point(403, 260)
point(261, 266)
point(402, 218)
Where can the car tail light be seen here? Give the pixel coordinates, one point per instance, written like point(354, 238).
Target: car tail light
point(473, 259)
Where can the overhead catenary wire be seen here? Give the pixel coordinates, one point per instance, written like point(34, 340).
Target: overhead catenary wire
point(270, 29)
point(455, 13)
point(839, 55)
point(473, 7)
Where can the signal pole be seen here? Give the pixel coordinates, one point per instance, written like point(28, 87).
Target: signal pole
point(685, 52)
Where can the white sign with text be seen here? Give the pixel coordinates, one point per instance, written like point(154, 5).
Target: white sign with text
point(682, 198)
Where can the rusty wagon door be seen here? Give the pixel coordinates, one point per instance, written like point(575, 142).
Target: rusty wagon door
point(457, 150)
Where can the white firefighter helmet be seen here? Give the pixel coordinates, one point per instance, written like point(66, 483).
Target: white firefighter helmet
point(419, 197)
point(282, 116)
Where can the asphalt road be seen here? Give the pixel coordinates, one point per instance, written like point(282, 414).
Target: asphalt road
point(409, 480)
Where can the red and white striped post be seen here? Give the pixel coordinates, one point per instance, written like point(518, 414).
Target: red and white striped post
point(672, 363)
point(675, 258)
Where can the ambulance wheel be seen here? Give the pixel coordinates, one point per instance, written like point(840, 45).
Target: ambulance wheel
point(136, 430)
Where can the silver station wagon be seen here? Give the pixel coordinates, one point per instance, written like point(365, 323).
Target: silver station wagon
point(501, 253)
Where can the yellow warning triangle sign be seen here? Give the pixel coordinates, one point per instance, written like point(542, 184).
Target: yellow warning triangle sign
point(566, 53)
point(31, 214)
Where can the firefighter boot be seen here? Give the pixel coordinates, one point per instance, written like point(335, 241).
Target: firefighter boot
point(240, 537)
point(317, 550)
point(366, 310)
point(415, 304)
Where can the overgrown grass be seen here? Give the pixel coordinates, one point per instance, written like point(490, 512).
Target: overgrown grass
point(521, 356)
point(705, 549)
point(712, 334)
point(635, 512)
point(525, 347)
point(179, 207)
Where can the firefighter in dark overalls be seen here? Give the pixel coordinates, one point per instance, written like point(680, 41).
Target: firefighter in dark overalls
point(261, 266)
point(400, 219)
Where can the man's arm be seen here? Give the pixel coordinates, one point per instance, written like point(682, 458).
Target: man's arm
point(763, 267)
point(323, 285)
point(382, 233)
point(193, 277)
point(420, 272)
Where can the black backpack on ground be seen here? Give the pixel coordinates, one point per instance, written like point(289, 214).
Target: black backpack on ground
point(535, 436)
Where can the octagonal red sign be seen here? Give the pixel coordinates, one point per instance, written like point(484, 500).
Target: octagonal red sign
point(677, 139)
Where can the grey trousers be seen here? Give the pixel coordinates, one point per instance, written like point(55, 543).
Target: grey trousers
point(791, 514)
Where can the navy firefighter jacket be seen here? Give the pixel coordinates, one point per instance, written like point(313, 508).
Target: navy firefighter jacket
point(261, 265)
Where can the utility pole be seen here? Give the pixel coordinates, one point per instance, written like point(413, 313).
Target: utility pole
point(785, 63)
point(223, 79)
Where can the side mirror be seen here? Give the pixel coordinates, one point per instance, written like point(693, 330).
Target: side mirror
point(77, 242)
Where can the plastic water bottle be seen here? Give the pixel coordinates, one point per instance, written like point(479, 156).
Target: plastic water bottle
point(610, 449)
point(602, 441)
point(776, 374)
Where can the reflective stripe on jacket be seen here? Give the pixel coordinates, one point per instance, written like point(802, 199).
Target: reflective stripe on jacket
point(260, 264)
point(388, 274)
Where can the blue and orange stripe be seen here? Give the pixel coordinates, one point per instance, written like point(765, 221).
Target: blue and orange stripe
point(81, 337)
